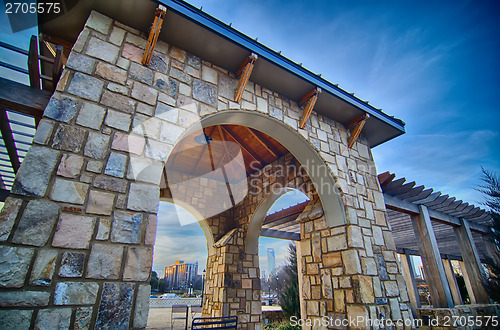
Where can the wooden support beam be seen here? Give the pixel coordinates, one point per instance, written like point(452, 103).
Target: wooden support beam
point(57, 66)
point(154, 32)
point(411, 284)
point(23, 99)
point(226, 129)
point(33, 63)
point(309, 100)
point(265, 146)
point(431, 259)
point(473, 266)
point(279, 234)
point(244, 72)
point(4, 193)
point(8, 139)
point(357, 125)
point(452, 282)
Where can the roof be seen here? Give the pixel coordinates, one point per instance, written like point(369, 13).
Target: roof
point(219, 43)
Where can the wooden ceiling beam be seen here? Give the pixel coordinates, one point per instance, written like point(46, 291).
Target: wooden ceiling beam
point(244, 72)
point(261, 142)
point(154, 32)
point(309, 100)
point(241, 144)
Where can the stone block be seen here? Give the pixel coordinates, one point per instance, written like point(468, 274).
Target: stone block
point(100, 202)
point(382, 269)
point(178, 54)
point(170, 133)
point(187, 118)
point(116, 36)
point(193, 61)
point(132, 143)
point(53, 318)
point(136, 40)
point(15, 319)
point(141, 311)
point(111, 73)
point(138, 264)
point(227, 86)
point(75, 293)
point(166, 112)
point(63, 109)
point(354, 237)
point(91, 115)
point(70, 166)
point(74, 231)
point(99, 22)
point(369, 266)
point(351, 262)
point(126, 227)
point(145, 170)
point(111, 184)
point(83, 317)
point(118, 120)
point(333, 259)
point(97, 145)
point(378, 237)
point(146, 126)
point(72, 264)
point(43, 132)
point(69, 191)
point(102, 50)
point(143, 197)
point(208, 74)
point(24, 298)
point(118, 101)
point(44, 267)
point(144, 108)
point(204, 92)
point(116, 165)
point(144, 93)
point(116, 297)
point(36, 223)
point(159, 63)
point(132, 53)
point(337, 243)
point(104, 229)
point(166, 84)
point(86, 86)
point(8, 216)
point(14, 263)
point(150, 236)
point(391, 288)
point(141, 73)
point(35, 172)
point(68, 138)
point(117, 88)
point(105, 261)
point(94, 166)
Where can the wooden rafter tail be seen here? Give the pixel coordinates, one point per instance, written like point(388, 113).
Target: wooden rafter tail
point(154, 33)
point(310, 101)
point(357, 123)
point(244, 72)
point(33, 64)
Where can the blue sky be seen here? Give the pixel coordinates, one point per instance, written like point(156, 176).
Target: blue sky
point(434, 64)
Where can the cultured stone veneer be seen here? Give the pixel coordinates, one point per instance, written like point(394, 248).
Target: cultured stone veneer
point(78, 229)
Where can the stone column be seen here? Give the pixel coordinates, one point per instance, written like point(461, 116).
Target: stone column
point(431, 259)
point(411, 284)
point(452, 281)
point(473, 266)
point(233, 282)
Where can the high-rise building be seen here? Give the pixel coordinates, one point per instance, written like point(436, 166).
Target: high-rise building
point(271, 262)
point(180, 275)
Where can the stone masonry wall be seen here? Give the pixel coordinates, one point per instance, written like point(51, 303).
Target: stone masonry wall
point(78, 230)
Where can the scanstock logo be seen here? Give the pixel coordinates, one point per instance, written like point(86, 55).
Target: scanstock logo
point(160, 152)
point(25, 14)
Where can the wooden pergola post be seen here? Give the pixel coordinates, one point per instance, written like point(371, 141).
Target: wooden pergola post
point(431, 259)
point(472, 264)
point(411, 284)
point(452, 281)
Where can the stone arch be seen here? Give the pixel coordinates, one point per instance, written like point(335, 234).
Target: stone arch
point(299, 147)
point(199, 218)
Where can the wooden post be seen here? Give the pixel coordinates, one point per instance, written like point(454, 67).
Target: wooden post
point(411, 284)
point(473, 266)
point(452, 281)
point(431, 259)
point(33, 64)
point(468, 284)
point(300, 273)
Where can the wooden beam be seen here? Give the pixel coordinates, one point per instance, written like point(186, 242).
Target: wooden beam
point(357, 124)
point(8, 139)
point(244, 72)
point(23, 99)
point(431, 259)
point(279, 234)
point(472, 263)
point(261, 142)
point(452, 282)
point(411, 284)
point(226, 129)
point(33, 63)
point(309, 100)
point(4, 193)
point(57, 67)
point(154, 32)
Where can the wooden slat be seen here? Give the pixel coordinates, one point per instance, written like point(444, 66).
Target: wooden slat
point(396, 184)
point(401, 190)
point(23, 99)
point(241, 144)
point(279, 234)
point(33, 64)
point(250, 131)
point(412, 192)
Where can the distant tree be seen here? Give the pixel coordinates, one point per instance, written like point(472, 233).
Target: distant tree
point(154, 281)
point(289, 293)
point(491, 191)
